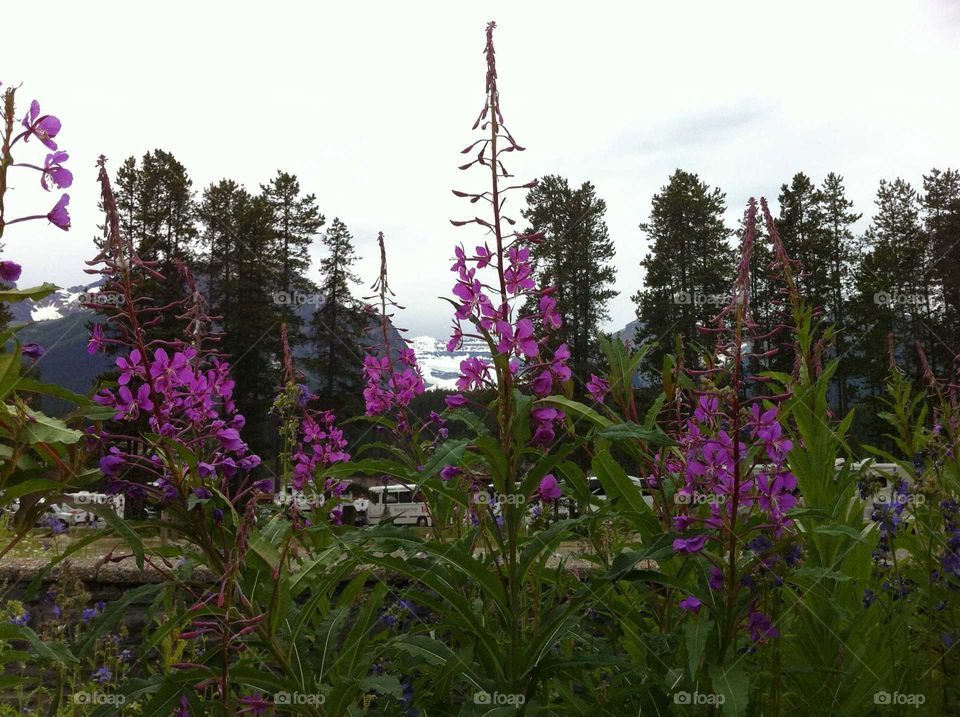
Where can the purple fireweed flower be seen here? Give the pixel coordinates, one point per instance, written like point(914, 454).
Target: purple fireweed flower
point(255, 704)
point(474, 373)
point(43, 127)
point(519, 339)
point(706, 409)
point(715, 581)
point(59, 176)
point(9, 271)
point(95, 344)
point(760, 627)
point(549, 490)
point(693, 544)
point(130, 367)
point(548, 312)
point(455, 400)
point(32, 351)
point(230, 439)
point(449, 472)
point(558, 365)
point(598, 388)
point(59, 216)
point(691, 604)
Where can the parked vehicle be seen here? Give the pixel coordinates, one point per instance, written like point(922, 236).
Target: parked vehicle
point(397, 504)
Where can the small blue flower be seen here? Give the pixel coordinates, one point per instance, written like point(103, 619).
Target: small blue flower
point(102, 675)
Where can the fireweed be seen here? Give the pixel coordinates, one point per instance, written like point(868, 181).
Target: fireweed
point(734, 488)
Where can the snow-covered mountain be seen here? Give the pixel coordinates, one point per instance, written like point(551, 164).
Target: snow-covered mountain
point(441, 368)
point(61, 303)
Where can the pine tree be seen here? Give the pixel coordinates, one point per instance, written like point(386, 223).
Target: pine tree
point(158, 214)
point(941, 203)
point(243, 267)
point(339, 323)
point(894, 292)
point(837, 257)
point(296, 221)
point(689, 269)
point(575, 258)
point(802, 233)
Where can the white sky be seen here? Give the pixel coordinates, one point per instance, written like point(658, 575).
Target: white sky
point(370, 103)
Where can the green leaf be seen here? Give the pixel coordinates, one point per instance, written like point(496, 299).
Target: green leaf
point(618, 484)
point(45, 649)
point(34, 293)
point(44, 429)
point(696, 635)
point(631, 431)
point(577, 410)
point(447, 454)
point(734, 685)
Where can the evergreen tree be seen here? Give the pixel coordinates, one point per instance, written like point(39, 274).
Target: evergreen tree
point(158, 215)
point(802, 233)
point(894, 293)
point(296, 221)
point(837, 257)
point(238, 229)
point(339, 323)
point(575, 258)
point(689, 269)
point(941, 203)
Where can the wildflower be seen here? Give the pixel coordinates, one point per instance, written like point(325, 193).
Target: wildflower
point(691, 604)
point(9, 271)
point(548, 312)
point(88, 614)
point(32, 351)
point(598, 388)
point(868, 597)
point(448, 472)
point(474, 372)
point(255, 704)
point(760, 627)
point(95, 344)
point(59, 176)
point(693, 544)
point(43, 127)
point(549, 490)
point(102, 675)
point(59, 216)
point(20, 620)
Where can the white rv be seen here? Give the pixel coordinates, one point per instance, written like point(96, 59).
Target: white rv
point(397, 504)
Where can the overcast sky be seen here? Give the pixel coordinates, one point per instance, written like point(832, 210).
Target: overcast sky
point(370, 103)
